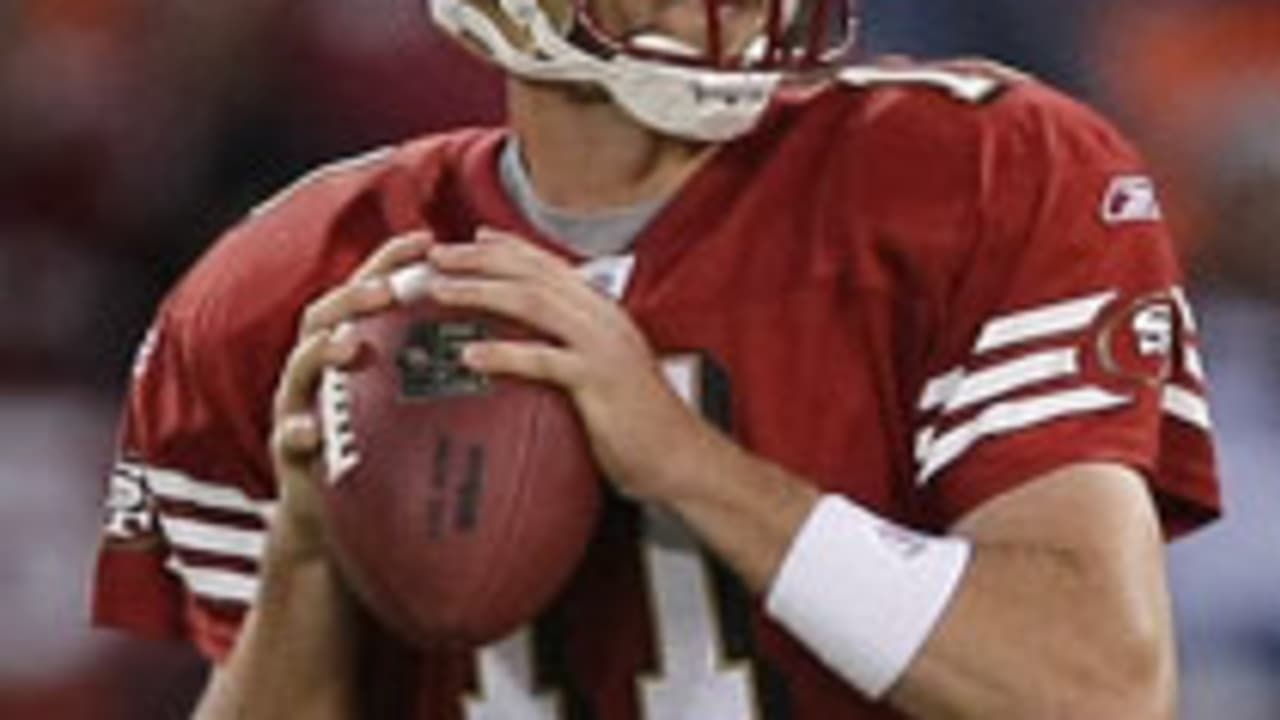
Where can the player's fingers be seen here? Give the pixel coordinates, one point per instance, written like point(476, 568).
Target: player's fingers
point(396, 252)
point(295, 392)
point(529, 360)
point(369, 289)
point(299, 376)
point(345, 303)
point(487, 235)
point(497, 254)
point(296, 436)
point(503, 255)
point(533, 304)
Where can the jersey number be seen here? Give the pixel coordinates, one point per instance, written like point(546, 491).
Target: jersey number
point(695, 678)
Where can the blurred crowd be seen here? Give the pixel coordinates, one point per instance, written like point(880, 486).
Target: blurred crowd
point(131, 131)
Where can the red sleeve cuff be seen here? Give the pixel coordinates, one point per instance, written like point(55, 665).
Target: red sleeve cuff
point(1184, 503)
point(213, 633)
point(134, 592)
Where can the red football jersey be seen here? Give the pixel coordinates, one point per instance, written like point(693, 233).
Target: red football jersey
point(917, 289)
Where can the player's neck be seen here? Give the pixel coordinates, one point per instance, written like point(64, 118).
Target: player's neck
point(585, 155)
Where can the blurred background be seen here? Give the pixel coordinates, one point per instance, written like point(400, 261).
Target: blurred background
point(131, 131)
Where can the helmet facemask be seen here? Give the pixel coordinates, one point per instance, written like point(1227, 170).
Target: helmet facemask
point(711, 93)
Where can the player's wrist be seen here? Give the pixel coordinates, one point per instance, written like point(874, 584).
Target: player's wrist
point(296, 537)
point(746, 508)
point(693, 454)
point(864, 593)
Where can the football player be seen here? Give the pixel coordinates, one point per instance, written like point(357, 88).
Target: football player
point(890, 365)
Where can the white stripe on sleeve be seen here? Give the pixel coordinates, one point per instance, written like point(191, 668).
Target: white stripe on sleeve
point(941, 388)
point(997, 380)
point(180, 487)
point(217, 584)
point(1193, 362)
point(1041, 322)
point(1184, 309)
point(188, 534)
point(924, 441)
point(1011, 416)
point(1186, 406)
point(956, 391)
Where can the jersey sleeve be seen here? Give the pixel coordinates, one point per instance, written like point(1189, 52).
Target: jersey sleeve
point(1068, 337)
point(192, 492)
point(182, 531)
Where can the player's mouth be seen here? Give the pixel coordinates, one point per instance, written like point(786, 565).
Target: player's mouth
point(679, 27)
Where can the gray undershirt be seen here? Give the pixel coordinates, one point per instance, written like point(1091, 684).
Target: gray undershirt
point(599, 234)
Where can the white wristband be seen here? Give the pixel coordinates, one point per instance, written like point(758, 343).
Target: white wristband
point(863, 593)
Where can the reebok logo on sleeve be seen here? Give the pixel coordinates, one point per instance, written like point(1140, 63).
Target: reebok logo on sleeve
point(1131, 199)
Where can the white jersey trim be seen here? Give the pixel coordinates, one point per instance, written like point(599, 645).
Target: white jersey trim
point(1041, 322)
point(1007, 417)
point(217, 584)
point(180, 487)
point(1184, 308)
point(956, 391)
point(1186, 406)
point(978, 387)
point(187, 534)
point(1193, 362)
point(960, 389)
point(940, 389)
point(198, 535)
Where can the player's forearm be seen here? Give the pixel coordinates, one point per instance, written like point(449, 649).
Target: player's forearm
point(1032, 629)
point(1040, 632)
point(294, 657)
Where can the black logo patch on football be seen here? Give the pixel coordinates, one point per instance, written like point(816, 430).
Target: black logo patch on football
point(430, 361)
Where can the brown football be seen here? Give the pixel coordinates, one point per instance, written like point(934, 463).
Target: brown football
point(458, 504)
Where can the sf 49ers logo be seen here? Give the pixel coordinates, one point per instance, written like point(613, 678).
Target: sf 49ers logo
point(130, 510)
point(1138, 344)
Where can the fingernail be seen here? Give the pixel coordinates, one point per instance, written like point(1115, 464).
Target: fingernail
point(419, 236)
point(373, 285)
point(472, 354)
point(296, 425)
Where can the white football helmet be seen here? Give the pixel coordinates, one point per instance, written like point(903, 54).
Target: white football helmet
point(661, 81)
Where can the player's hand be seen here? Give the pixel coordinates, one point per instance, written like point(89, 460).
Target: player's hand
point(644, 437)
point(297, 440)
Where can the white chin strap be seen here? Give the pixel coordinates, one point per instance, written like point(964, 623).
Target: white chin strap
point(690, 103)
